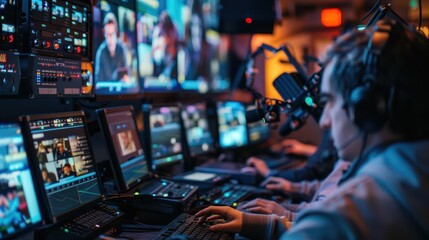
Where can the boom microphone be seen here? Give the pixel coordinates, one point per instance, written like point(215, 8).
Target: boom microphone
point(268, 114)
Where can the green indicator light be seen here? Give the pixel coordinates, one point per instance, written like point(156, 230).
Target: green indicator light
point(136, 193)
point(66, 230)
point(309, 101)
point(413, 4)
point(361, 27)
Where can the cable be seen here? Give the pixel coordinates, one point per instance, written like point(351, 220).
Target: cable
point(420, 15)
point(374, 7)
point(241, 69)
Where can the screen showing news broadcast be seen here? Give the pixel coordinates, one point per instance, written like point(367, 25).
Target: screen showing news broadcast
point(178, 46)
point(115, 55)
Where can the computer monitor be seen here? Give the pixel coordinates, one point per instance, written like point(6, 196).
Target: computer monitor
point(199, 138)
point(232, 127)
point(219, 45)
point(160, 31)
point(115, 57)
point(127, 157)
point(19, 205)
point(165, 139)
point(258, 131)
point(61, 150)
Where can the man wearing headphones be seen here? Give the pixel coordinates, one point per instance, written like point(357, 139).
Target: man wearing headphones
point(375, 92)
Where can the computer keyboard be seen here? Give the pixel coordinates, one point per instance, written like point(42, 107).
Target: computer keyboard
point(167, 189)
point(93, 219)
point(231, 194)
point(88, 225)
point(186, 225)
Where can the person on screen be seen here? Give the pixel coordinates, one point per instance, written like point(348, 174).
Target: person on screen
point(165, 47)
point(197, 49)
point(42, 153)
point(127, 143)
point(61, 153)
point(48, 177)
point(110, 59)
point(9, 209)
point(67, 171)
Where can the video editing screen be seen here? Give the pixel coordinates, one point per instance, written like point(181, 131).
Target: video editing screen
point(231, 124)
point(115, 56)
point(199, 137)
point(127, 145)
point(19, 206)
point(178, 46)
point(65, 161)
point(166, 136)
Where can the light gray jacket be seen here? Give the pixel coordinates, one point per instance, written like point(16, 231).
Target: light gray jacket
point(388, 198)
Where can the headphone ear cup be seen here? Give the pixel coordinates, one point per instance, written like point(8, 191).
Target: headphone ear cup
point(367, 108)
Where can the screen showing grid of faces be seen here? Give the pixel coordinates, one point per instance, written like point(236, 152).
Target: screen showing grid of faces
point(166, 136)
point(129, 150)
point(65, 161)
point(19, 207)
point(231, 124)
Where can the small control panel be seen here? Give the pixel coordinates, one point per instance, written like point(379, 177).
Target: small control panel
point(10, 73)
point(57, 77)
point(8, 24)
point(58, 28)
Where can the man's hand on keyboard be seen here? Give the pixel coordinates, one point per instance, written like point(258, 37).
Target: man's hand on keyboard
point(262, 206)
point(293, 146)
point(256, 165)
point(233, 218)
point(278, 184)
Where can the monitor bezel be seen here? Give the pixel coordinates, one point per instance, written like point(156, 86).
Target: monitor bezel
point(25, 121)
point(146, 109)
point(37, 188)
point(114, 161)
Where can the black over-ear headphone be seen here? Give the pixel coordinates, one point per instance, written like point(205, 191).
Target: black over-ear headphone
point(368, 105)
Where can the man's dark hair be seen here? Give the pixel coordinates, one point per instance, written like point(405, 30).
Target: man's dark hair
point(401, 71)
point(110, 18)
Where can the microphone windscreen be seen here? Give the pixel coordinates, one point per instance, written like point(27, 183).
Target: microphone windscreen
point(254, 115)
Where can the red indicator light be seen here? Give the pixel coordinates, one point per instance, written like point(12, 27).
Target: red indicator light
point(248, 20)
point(331, 17)
point(11, 39)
